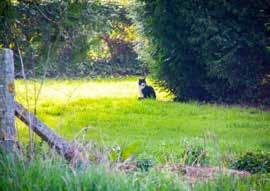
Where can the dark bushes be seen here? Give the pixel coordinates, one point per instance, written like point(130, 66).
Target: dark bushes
point(253, 162)
point(209, 50)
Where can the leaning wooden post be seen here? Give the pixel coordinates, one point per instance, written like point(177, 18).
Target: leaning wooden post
point(70, 151)
point(7, 91)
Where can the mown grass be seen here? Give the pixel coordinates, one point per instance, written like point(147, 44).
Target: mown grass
point(155, 129)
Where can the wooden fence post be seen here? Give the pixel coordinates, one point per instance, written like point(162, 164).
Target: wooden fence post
point(7, 91)
point(9, 108)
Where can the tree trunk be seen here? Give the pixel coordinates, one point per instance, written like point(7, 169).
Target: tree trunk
point(7, 91)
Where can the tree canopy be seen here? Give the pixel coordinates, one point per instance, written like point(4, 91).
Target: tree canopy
point(68, 37)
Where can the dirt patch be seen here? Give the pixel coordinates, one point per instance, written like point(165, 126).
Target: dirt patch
point(191, 173)
point(194, 173)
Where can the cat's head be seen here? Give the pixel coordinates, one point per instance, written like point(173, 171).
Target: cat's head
point(142, 82)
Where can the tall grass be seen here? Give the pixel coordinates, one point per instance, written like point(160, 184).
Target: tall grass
point(53, 173)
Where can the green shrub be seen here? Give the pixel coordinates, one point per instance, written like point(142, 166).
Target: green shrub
point(144, 164)
point(253, 162)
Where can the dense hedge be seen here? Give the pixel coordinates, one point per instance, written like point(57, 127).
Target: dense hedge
point(210, 49)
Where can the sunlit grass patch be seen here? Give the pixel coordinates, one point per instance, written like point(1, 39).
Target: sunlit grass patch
point(66, 90)
point(109, 108)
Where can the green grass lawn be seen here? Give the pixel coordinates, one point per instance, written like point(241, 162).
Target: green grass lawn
point(155, 129)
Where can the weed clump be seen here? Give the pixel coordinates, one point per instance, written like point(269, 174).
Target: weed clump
point(195, 155)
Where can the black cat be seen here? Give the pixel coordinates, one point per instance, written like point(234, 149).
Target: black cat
point(146, 91)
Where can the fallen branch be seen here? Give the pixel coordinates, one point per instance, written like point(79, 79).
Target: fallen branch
point(70, 151)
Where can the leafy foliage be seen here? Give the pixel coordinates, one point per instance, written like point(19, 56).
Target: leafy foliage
point(209, 50)
point(60, 37)
point(144, 164)
point(253, 162)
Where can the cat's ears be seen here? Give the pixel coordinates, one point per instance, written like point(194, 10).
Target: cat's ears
point(142, 78)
